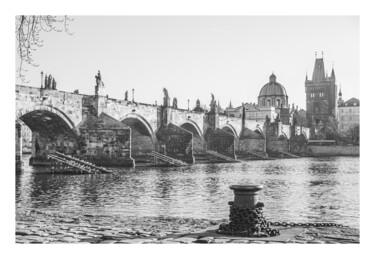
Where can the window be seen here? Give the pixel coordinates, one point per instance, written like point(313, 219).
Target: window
point(342, 118)
point(350, 118)
point(350, 110)
point(268, 102)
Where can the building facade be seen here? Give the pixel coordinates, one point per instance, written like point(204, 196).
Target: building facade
point(253, 112)
point(321, 92)
point(348, 117)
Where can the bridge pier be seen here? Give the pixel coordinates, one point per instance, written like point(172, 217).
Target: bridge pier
point(18, 147)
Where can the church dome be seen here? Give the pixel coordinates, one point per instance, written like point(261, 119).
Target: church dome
point(272, 88)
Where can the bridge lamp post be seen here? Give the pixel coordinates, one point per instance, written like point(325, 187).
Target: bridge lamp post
point(41, 77)
point(188, 105)
point(133, 95)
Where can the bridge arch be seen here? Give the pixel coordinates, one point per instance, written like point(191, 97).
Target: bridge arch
point(52, 131)
point(38, 109)
point(229, 128)
point(192, 126)
point(136, 118)
point(259, 130)
point(283, 136)
point(198, 139)
point(303, 134)
point(143, 139)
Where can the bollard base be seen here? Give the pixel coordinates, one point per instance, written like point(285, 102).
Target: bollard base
point(247, 222)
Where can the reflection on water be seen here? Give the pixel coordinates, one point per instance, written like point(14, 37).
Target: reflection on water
point(299, 190)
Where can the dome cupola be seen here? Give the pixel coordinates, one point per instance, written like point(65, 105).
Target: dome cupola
point(273, 93)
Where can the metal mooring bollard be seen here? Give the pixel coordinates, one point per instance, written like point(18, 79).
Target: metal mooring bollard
point(246, 214)
point(246, 196)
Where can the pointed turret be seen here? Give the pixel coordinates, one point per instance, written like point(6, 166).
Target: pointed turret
point(333, 76)
point(306, 79)
point(318, 74)
point(230, 104)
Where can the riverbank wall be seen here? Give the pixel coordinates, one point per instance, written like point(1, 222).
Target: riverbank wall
point(333, 150)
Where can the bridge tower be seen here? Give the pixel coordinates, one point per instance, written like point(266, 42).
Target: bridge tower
point(321, 92)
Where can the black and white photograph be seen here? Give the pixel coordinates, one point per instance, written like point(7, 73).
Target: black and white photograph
point(143, 131)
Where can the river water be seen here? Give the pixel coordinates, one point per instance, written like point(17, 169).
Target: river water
point(297, 190)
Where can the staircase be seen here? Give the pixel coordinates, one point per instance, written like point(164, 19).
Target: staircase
point(290, 155)
point(167, 159)
point(257, 154)
point(67, 163)
point(223, 157)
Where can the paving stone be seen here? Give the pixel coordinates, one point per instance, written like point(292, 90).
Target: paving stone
point(108, 241)
point(298, 241)
point(316, 241)
point(239, 241)
point(185, 240)
point(204, 240)
point(221, 241)
point(23, 232)
point(69, 239)
point(152, 242)
point(168, 242)
point(257, 242)
point(132, 241)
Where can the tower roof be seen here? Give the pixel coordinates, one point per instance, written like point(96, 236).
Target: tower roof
point(318, 74)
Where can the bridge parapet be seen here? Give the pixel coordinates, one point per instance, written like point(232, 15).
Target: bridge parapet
point(30, 98)
point(120, 109)
point(178, 117)
point(232, 122)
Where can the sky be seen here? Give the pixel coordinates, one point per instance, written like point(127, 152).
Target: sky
point(194, 56)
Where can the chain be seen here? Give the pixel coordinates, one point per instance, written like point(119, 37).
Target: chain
point(292, 224)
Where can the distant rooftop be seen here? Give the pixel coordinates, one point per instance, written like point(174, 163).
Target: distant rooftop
point(352, 102)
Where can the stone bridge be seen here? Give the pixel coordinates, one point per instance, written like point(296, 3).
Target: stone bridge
point(93, 125)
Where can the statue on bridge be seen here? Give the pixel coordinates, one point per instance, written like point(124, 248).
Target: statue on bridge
point(49, 82)
point(174, 105)
point(98, 78)
point(213, 104)
point(99, 83)
point(126, 95)
point(53, 84)
point(166, 98)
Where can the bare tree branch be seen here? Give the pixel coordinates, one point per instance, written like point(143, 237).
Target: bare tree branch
point(28, 29)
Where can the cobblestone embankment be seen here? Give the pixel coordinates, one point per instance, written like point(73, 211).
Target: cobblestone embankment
point(36, 227)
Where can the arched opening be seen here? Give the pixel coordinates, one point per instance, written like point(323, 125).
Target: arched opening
point(51, 131)
point(229, 128)
point(142, 137)
point(283, 136)
point(197, 136)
